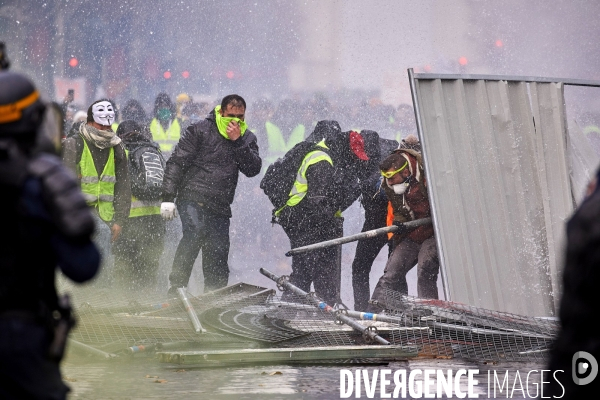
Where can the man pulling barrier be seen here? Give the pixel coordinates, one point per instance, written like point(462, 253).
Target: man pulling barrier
point(398, 227)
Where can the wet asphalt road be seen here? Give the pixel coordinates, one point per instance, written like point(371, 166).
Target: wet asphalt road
point(147, 379)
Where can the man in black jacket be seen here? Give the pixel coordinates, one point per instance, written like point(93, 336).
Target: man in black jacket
point(202, 173)
point(137, 252)
point(313, 212)
point(47, 224)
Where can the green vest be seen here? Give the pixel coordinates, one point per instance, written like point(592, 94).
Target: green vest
point(99, 191)
point(277, 145)
point(115, 126)
point(166, 139)
point(591, 128)
point(301, 184)
point(141, 208)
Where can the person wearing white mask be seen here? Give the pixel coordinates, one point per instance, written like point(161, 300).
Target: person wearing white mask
point(98, 158)
point(406, 188)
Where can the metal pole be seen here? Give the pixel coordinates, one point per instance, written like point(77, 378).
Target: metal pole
point(363, 235)
point(90, 350)
point(190, 310)
point(365, 316)
point(369, 333)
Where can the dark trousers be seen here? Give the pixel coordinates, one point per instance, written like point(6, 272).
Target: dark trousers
point(206, 230)
point(319, 267)
point(404, 257)
point(25, 371)
point(367, 251)
point(137, 252)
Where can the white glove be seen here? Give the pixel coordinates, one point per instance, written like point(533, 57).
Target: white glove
point(168, 211)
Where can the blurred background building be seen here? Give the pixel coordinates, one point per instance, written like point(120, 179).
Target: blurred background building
point(274, 49)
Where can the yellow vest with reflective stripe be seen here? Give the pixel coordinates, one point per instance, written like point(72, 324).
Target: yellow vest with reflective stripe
point(301, 184)
point(98, 190)
point(277, 145)
point(141, 208)
point(166, 139)
point(591, 128)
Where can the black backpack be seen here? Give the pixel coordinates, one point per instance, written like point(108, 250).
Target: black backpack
point(281, 175)
point(146, 169)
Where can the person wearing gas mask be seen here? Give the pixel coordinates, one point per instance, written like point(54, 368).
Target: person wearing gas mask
point(47, 224)
point(98, 158)
point(165, 127)
point(202, 173)
point(406, 188)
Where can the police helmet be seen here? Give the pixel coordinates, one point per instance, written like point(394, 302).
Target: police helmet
point(21, 109)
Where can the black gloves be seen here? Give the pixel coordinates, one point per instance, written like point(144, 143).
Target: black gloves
point(402, 229)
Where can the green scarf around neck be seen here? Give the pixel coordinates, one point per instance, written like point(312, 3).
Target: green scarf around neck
point(222, 123)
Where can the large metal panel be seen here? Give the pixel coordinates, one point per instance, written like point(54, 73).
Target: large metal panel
point(496, 160)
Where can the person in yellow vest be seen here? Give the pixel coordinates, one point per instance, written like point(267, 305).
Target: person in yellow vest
point(98, 158)
point(312, 213)
point(283, 130)
point(138, 251)
point(165, 127)
point(592, 132)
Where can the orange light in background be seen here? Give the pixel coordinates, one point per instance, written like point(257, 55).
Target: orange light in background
point(167, 74)
point(185, 74)
point(427, 68)
point(73, 62)
point(230, 74)
point(499, 43)
point(463, 61)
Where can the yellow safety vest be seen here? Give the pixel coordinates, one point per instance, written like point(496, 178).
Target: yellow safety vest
point(301, 184)
point(591, 128)
point(166, 139)
point(141, 208)
point(99, 191)
point(277, 145)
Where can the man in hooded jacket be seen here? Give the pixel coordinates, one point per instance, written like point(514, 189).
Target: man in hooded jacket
point(405, 185)
point(138, 250)
point(330, 171)
point(202, 173)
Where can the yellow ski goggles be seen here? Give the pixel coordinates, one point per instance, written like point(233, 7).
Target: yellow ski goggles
point(389, 174)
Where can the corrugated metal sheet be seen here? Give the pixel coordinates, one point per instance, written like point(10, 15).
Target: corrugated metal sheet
point(496, 160)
